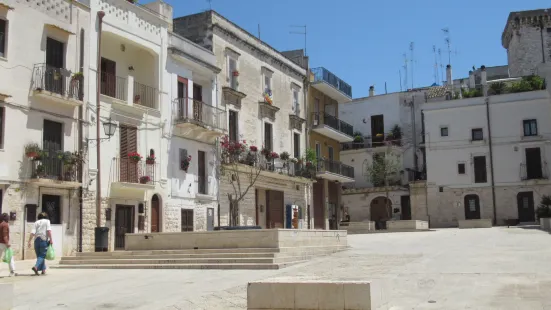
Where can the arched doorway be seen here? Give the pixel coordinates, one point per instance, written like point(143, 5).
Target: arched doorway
point(381, 211)
point(155, 214)
point(472, 207)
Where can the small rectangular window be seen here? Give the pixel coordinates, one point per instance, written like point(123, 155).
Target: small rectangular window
point(232, 72)
point(233, 121)
point(530, 127)
point(318, 150)
point(443, 131)
point(296, 104)
point(268, 136)
point(187, 220)
point(3, 37)
point(330, 152)
point(477, 134)
point(461, 168)
point(297, 145)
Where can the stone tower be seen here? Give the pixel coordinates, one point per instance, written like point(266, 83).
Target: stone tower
point(527, 38)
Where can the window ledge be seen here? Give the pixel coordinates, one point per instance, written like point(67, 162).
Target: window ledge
point(535, 137)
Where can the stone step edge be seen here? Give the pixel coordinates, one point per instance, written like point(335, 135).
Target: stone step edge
point(181, 266)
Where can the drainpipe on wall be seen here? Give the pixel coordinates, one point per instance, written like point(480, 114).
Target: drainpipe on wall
point(484, 83)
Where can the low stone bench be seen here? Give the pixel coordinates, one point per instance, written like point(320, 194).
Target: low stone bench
point(358, 227)
point(407, 225)
point(313, 294)
point(545, 223)
point(6, 296)
point(479, 223)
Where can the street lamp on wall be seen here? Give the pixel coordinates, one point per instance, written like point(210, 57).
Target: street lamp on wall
point(109, 128)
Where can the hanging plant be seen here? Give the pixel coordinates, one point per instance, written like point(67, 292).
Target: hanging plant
point(285, 156)
point(32, 150)
point(253, 148)
point(134, 156)
point(185, 163)
point(274, 155)
point(150, 160)
point(145, 179)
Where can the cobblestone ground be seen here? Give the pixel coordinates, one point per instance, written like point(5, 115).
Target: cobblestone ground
point(498, 268)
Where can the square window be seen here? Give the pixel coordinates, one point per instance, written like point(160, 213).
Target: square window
point(461, 168)
point(530, 127)
point(477, 134)
point(443, 131)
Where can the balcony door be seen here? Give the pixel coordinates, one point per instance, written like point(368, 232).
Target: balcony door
point(182, 97)
point(202, 172)
point(52, 143)
point(55, 61)
point(377, 130)
point(197, 102)
point(533, 163)
point(108, 77)
point(128, 144)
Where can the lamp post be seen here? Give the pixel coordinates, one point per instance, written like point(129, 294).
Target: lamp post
point(99, 239)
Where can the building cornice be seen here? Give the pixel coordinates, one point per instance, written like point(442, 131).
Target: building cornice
point(178, 52)
point(516, 20)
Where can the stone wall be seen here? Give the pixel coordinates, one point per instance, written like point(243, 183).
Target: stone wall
point(524, 52)
point(359, 201)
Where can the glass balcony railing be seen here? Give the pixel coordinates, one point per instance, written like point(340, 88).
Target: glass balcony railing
point(322, 74)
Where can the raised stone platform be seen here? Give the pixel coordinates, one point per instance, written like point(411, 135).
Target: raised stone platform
point(479, 223)
point(407, 225)
point(313, 294)
point(6, 296)
point(545, 223)
point(246, 249)
point(358, 227)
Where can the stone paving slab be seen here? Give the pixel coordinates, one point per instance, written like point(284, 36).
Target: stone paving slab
point(496, 268)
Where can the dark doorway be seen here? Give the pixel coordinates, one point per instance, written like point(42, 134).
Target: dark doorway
point(472, 207)
point(533, 163)
point(52, 142)
point(128, 144)
point(202, 173)
point(182, 87)
point(187, 220)
point(197, 102)
point(319, 203)
point(51, 204)
point(155, 214)
point(406, 208)
point(109, 78)
point(525, 205)
point(274, 209)
point(233, 125)
point(210, 219)
point(197, 92)
point(124, 224)
point(377, 130)
point(55, 62)
point(381, 211)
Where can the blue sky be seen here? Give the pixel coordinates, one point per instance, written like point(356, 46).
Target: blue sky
point(363, 41)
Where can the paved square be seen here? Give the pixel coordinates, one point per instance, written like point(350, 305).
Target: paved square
point(497, 268)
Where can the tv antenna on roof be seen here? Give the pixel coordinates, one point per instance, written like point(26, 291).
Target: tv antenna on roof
point(210, 4)
point(448, 41)
point(304, 33)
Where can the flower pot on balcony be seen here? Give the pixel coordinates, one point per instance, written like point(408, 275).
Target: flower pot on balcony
point(235, 73)
point(150, 162)
point(145, 179)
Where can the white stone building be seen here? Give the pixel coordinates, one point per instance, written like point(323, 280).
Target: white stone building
point(467, 139)
point(251, 71)
point(41, 100)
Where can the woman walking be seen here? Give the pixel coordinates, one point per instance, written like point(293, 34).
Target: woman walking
point(42, 232)
point(5, 240)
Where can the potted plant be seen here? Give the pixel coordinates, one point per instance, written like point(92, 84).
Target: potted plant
point(543, 212)
point(185, 163)
point(235, 73)
point(134, 156)
point(32, 150)
point(145, 179)
point(294, 160)
point(284, 156)
point(39, 170)
point(137, 99)
point(150, 160)
point(253, 149)
point(274, 155)
point(267, 153)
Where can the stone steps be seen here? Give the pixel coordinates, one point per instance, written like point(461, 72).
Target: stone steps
point(168, 256)
point(191, 251)
point(242, 266)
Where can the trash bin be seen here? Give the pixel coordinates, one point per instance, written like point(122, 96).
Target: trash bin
point(101, 240)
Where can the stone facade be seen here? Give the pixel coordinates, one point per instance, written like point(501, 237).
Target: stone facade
point(359, 202)
point(523, 40)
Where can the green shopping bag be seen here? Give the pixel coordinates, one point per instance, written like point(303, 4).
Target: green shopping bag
point(8, 254)
point(50, 254)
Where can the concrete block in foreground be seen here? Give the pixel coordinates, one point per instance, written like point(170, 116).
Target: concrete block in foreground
point(6, 296)
point(314, 294)
point(480, 223)
point(407, 225)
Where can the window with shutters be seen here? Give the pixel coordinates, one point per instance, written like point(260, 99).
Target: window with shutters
point(530, 127)
point(128, 144)
point(296, 145)
point(2, 126)
point(480, 175)
point(233, 121)
point(3, 37)
point(187, 220)
point(268, 136)
point(233, 73)
point(296, 102)
point(183, 158)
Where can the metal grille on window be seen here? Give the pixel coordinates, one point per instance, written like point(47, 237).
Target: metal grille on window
point(472, 205)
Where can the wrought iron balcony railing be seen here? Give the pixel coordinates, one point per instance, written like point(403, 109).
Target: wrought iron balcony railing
point(113, 86)
point(128, 170)
point(188, 109)
point(333, 166)
point(322, 74)
point(145, 95)
point(53, 168)
point(320, 119)
point(534, 174)
point(58, 81)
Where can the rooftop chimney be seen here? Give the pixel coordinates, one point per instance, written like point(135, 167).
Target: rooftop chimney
point(483, 75)
point(449, 81)
point(371, 91)
point(472, 82)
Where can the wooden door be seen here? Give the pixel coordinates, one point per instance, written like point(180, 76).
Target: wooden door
point(182, 98)
point(274, 208)
point(210, 219)
point(319, 205)
point(108, 78)
point(406, 208)
point(198, 102)
point(533, 163)
point(525, 205)
point(124, 224)
point(52, 143)
point(55, 61)
point(155, 214)
point(128, 144)
point(202, 172)
point(472, 207)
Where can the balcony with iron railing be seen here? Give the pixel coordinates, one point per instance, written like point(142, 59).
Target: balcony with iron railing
point(334, 170)
point(50, 169)
point(129, 173)
point(527, 172)
point(58, 85)
point(117, 87)
point(331, 85)
point(332, 127)
point(198, 120)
